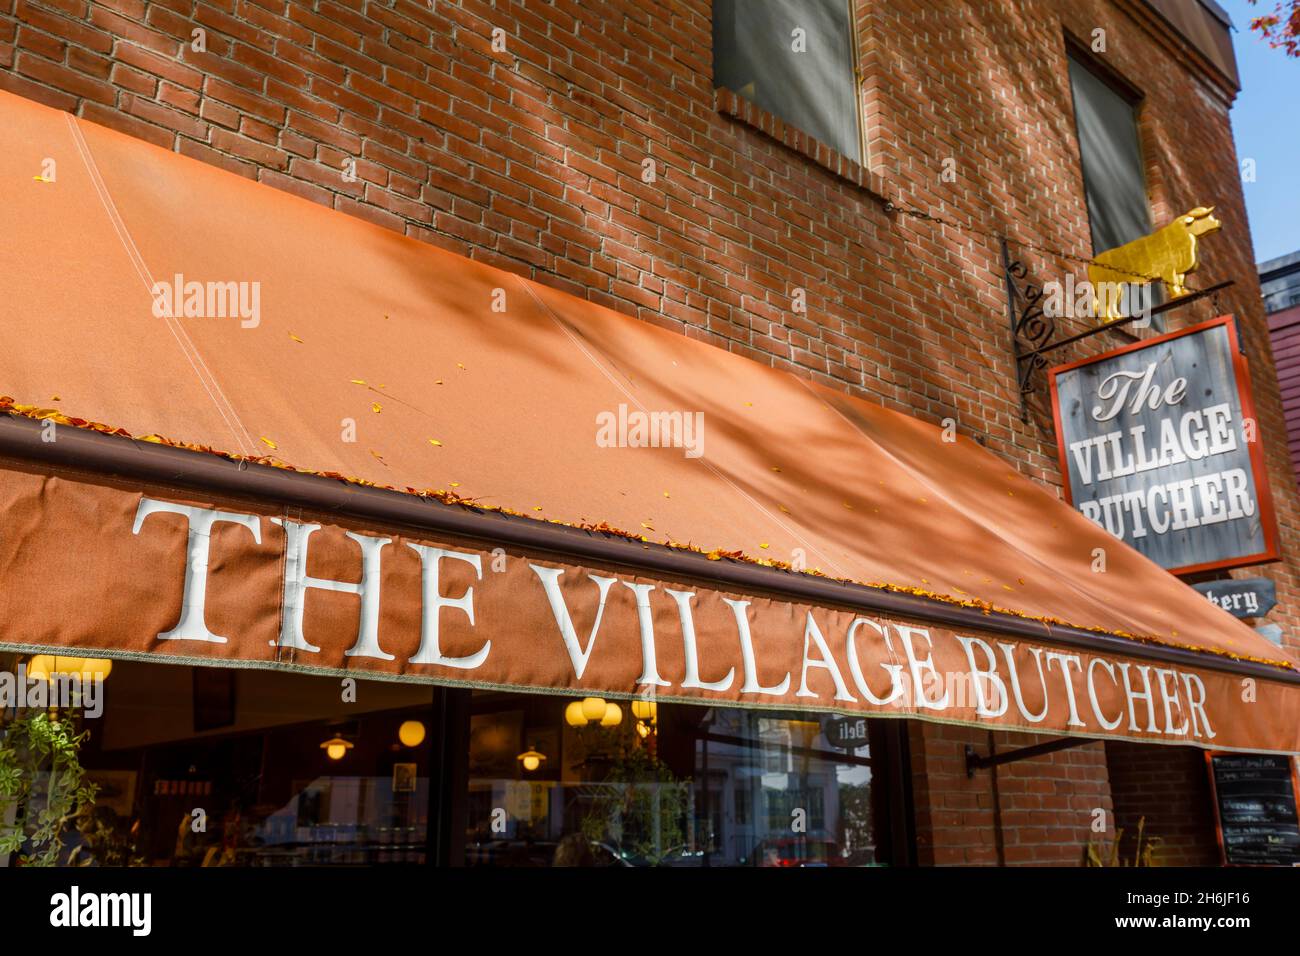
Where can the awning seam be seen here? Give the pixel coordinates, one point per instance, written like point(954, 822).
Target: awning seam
point(205, 376)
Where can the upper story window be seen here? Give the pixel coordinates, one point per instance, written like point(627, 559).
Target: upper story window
point(794, 59)
point(1114, 177)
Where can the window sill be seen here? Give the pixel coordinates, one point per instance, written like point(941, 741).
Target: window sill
point(731, 104)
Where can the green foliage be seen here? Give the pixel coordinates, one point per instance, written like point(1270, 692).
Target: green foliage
point(639, 807)
point(109, 841)
point(42, 784)
point(856, 823)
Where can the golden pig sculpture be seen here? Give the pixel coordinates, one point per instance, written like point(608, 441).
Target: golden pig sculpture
point(1167, 254)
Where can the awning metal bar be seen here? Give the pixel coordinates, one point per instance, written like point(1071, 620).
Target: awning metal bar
point(93, 453)
point(1182, 300)
point(975, 762)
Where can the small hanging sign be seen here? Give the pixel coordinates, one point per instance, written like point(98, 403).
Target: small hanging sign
point(1241, 597)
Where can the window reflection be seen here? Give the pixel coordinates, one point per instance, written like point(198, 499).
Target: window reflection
point(211, 767)
point(204, 767)
point(687, 786)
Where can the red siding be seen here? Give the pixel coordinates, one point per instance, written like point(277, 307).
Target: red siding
point(1284, 332)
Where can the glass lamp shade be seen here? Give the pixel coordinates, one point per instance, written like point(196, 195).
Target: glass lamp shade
point(47, 667)
point(531, 759)
point(644, 709)
point(411, 733)
point(336, 747)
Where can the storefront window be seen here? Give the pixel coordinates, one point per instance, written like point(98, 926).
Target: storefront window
point(668, 784)
point(216, 767)
point(209, 766)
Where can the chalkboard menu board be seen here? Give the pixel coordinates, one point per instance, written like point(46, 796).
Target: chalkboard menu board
point(1255, 802)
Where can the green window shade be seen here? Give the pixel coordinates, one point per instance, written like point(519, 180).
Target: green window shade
point(1113, 174)
point(814, 90)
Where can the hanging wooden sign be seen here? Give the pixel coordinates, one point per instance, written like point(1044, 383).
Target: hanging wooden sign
point(1159, 444)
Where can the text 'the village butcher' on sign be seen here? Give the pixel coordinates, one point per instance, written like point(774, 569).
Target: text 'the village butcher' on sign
point(1159, 445)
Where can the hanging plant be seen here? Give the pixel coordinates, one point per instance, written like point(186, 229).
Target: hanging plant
point(637, 807)
point(42, 785)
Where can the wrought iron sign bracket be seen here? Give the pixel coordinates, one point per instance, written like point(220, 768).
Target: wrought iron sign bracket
point(975, 762)
point(1033, 332)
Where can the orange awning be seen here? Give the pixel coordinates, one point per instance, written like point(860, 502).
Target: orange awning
point(376, 360)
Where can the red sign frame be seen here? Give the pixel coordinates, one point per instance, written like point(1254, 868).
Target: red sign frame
point(1259, 470)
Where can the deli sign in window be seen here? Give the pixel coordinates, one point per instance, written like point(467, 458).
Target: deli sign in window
point(1159, 445)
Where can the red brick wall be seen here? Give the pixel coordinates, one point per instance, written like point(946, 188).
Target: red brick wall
point(1169, 787)
point(1038, 811)
point(531, 159)
point(985, 83)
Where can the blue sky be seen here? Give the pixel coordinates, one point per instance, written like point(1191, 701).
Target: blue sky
point(1265, 126)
